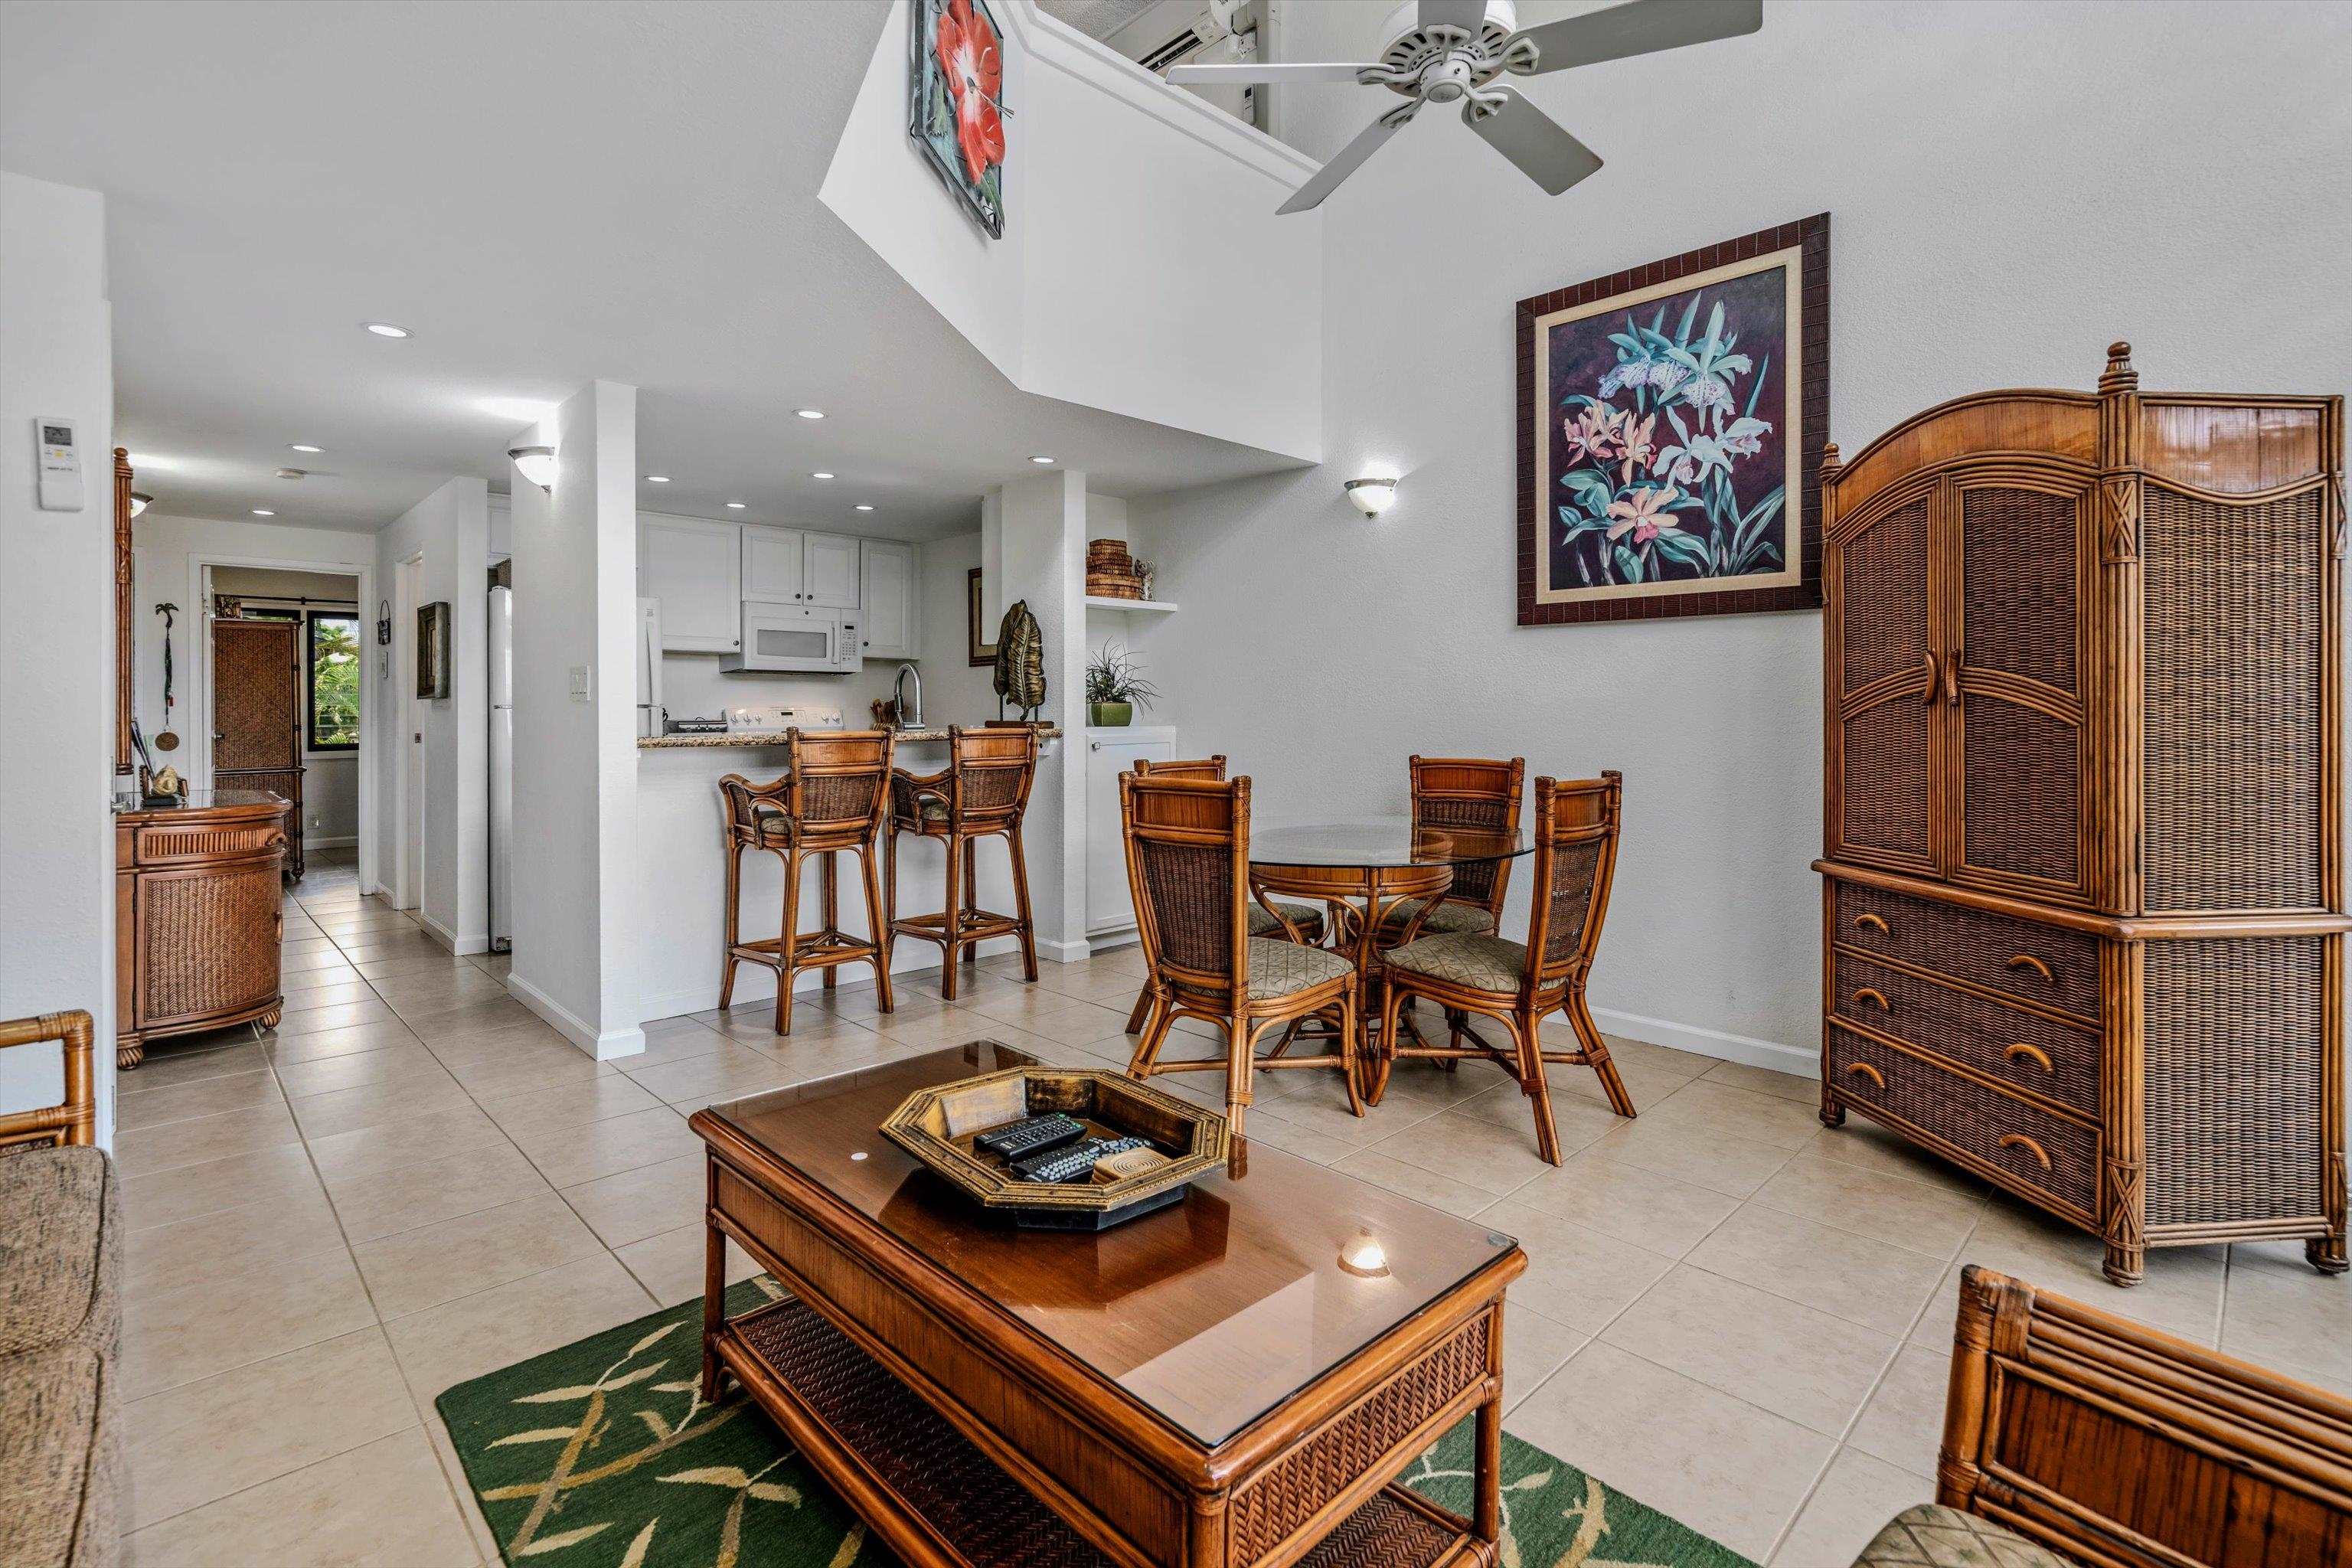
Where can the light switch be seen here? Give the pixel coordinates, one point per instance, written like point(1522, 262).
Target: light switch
point(579, 683)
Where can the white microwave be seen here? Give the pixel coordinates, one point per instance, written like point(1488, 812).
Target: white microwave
point(795, 637)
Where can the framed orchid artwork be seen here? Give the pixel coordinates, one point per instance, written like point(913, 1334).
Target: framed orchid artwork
point(956, 112)
point(1671, 425)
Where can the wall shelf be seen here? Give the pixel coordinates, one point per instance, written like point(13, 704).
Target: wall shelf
point(1135, 606)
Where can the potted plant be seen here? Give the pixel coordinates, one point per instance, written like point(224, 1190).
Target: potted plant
point(1115, 688)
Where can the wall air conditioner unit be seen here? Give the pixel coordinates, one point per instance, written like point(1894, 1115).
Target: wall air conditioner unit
point(1196, 33)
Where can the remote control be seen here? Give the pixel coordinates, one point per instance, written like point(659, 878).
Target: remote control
point(1072, 1163)
point(1032, 1135)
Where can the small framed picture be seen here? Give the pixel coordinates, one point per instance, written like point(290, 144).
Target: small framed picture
point(433, 649)
point(977, 652)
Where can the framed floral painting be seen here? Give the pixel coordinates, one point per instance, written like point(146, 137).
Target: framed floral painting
point(955, 95)
point(1671, 425)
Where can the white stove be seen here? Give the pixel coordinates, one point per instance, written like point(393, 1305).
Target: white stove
point(774, 718)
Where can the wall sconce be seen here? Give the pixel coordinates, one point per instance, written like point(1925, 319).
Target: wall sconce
point(139, 503)
point(536, 464)
point(1372, 497)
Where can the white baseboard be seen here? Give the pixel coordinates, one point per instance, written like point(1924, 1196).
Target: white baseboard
point(756, 984)
point(344, 842)
point(604, 1045)
point(1064, 952)
point(460, 945)
point(1803, 1062)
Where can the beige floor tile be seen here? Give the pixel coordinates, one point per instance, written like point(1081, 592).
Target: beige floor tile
point(2282, 1312)
point(165, 1068)
point(574, 1104)
point(671, 1265)
point(1865, 1143)
point(388, 1202)
point(435, 1135)
point(190, 1251)
point(185, 1192)
point(1871, 1203)
point(1575, 1276)
point(471, 1017)
point(1708, 1107)
point(146, 1149)
point(1655, 1212)
point(1423, 1186)
point(569, 1156)
point(373, 1105)
point(732, 1070)
point(494, 1081)
point(438, 990)
point(318, 1020)
point(302, 962)
point(330, 992)
point(1854, 1502)
point(644, 1201)
point(1534, 1347)
point(404, 1062)
point(496, 1044)
point(1815, 1369)
point(408, 961)
point(507, 1324)
point(1874, 1283)
point(452, 1257)
point(1076, 1025)
point(137, 1105)
point(1264, 1127)
point(384, 1505)
point(1732, 1165)
point(220, 1435)
point(1721, 1465)
point(1904, 1422)
point(2181, 1293)
point(469, 1509)
point(945, 1027)
point(356, 1039)
point(1805, 1092)
point(267, 1308)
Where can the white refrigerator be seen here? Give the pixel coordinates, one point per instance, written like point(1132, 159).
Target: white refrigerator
point(501, 769)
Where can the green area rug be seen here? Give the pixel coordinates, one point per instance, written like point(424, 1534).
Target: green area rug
point(602, 1455)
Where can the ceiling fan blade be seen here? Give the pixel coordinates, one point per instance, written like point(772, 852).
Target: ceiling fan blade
point(1345, 163)
point(1263, 71)
point(1538, 143)
point(1466, 15)
point(1640, 28)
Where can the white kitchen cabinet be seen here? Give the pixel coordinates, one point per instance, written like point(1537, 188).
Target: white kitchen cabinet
point(1110, 906)
point(830, 575)
point(694, 568)
point(774, 561)
point(889, 594)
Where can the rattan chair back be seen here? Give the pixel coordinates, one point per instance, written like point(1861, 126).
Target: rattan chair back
point(1576, 857)
point(1470, 792)
point(839, 786)
point(1187, 868)
point(989, 774)
point(1183, 767)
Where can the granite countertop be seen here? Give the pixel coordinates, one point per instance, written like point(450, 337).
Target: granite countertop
point(756, 737)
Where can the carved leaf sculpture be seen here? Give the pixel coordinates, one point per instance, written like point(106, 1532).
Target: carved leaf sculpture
point(1020, 660)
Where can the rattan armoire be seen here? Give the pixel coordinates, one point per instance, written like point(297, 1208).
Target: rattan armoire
point(2083, 911)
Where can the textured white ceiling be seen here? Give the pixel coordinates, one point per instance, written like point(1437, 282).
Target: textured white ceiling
point(1095, 18)
point(624, 190)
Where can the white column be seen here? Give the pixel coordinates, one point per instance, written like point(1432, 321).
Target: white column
point(575, 789)
point(1042, 546)
point(57, 595)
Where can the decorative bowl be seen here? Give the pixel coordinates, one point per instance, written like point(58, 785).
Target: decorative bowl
point(937, 1126)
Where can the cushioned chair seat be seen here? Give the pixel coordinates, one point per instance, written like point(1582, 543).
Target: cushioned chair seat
point(1485, 962)
point(1448, 919)
point(58, 1282)
point(1286, 968)
point(1933, 1536)
point(1306, 917)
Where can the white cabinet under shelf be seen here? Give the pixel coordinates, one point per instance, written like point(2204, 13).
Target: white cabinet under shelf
point(1110, 751)
point(889, 591)
point(694, 568)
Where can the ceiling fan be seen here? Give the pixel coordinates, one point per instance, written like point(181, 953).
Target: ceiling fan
point(1441, 50)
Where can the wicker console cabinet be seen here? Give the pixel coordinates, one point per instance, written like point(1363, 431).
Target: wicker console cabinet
point(2082, 911)
point(197, 916)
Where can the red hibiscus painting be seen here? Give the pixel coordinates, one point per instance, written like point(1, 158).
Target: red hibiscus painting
point(957, 86)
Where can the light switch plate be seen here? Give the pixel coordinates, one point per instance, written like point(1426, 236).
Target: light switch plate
point(579, 683)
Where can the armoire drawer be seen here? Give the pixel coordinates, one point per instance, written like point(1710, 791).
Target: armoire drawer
point(2016, 1046)
point(2056, 1158)
point(2049, 964)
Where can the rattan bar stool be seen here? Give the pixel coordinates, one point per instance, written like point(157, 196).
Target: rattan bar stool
point(982, 793)
point(1188, 864)
point(833, 800)
point(1522, 983)
point(1304, 919)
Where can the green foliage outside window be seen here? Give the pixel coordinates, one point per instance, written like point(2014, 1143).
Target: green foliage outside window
point(334, 659)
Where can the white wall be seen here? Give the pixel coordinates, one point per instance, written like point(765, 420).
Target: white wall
point(954, 691)
point(450, 527)
point(2011, 187)
point(57, 597)
point(1043, 523)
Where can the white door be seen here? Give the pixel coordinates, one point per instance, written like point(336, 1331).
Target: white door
point(409, 890)
point(889, 603)
point(694, 568)
point(771, 565)
point(1110, 906)
point(831, 582)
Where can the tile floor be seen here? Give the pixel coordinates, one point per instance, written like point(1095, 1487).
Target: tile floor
point(1738, 1316)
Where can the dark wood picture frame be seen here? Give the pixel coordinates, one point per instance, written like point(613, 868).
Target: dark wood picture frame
point(433, 649)
point(976, 652)
point(1811, 237)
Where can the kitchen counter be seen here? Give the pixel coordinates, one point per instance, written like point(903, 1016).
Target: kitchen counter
point(754, 738)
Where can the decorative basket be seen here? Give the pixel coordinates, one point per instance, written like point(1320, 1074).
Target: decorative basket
point(938, 1125)
point(1114, 585)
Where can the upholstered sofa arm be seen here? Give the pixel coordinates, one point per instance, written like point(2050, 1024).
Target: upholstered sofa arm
point(76, 1120)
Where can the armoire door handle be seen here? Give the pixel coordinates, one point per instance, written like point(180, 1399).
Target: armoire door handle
point(2019, 1140)
point(2027, 960)
point(1873, 920)
point(1863, 1069)
point(1935, 680)
point(1952, 678)
point(2019, 1051)
point(1869, 995)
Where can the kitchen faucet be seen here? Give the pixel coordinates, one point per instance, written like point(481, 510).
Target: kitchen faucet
point(908, 718)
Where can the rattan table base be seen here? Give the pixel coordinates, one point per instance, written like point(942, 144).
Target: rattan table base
point(870, 1435)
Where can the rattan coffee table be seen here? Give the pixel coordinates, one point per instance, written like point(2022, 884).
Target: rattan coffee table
point(1236, 1380)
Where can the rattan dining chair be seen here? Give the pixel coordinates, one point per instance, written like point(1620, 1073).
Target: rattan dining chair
point(1304, 919)
point(1462, 791)
point(1188, 865)
point(831, 800)
point(1521, 983)
point(982, 793)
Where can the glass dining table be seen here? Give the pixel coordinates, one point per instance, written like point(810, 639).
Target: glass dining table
point(1363, 872)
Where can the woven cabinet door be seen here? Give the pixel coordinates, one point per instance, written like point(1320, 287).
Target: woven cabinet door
point(255, 696)
point(1881, 580)
point(2017, 778)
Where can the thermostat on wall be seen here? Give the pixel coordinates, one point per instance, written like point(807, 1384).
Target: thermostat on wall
point(60, 461)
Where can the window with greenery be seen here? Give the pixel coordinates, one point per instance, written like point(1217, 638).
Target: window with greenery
point(333, 656)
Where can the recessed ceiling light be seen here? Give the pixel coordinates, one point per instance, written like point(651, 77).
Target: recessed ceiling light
point(863, 507)
point(385, 328)
point(657, 479)
point(820, 474)
point(734, 506)
point(263, 511)
point(304, 447)
point(1041, 459)
point(810, 413)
